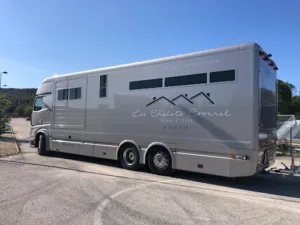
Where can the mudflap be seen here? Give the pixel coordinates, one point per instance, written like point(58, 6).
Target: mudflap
point(267, 156)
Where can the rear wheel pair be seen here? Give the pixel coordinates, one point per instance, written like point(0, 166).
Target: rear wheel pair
point(158, 159)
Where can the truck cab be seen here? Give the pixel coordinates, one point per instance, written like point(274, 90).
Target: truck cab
point(41, 115)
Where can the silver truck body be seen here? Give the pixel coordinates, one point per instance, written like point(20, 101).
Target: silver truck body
point(214, 111)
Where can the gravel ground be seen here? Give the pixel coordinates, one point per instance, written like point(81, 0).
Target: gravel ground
point(7, 144)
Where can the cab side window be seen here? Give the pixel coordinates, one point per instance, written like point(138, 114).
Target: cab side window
point(39, 104)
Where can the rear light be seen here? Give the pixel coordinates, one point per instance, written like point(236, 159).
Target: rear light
point(240, 157)
point(263, 142)
point(267, 141)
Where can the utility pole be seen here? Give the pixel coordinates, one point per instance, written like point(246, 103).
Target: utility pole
point(4, 72)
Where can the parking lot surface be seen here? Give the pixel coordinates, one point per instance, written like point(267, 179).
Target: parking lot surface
point(67, 189)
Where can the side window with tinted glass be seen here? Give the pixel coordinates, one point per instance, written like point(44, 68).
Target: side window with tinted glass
point(103, 86)
point(38, 104)
point(62, 94)
point(222, 76)
point(75, 93)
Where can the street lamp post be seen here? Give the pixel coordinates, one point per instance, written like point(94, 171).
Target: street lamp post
point(4, 72)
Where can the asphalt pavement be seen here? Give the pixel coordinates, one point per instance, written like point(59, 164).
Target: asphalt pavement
point(68, 189)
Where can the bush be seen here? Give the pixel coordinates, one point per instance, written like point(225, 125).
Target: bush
point(2, 124)
point(4, 105)
point(2, 127)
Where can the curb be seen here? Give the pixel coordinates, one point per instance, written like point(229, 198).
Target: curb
point(16, 142)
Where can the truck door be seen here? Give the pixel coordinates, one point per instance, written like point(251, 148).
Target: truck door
point(41, 114)
point(60, 106)
point(76, 103)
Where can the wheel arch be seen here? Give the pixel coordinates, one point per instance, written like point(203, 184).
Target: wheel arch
point(37, 136)
point(160, 145)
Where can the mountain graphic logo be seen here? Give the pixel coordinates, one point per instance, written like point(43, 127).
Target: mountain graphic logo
point(172, 102)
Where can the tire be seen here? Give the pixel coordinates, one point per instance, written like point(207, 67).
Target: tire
point(42, 145)
point(160, 161)
point(129, 157)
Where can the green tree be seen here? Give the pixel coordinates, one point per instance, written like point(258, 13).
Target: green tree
point(293, 88)
point(4, 105)
point(20, 111)
point(27, 111)
point(21, 100)
point(285, 97)
point(296, 106)
point(287, 103)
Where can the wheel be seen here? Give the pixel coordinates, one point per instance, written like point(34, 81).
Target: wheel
point(42, 145)
point(129, 157)
point(160, 161)
point(259, 168)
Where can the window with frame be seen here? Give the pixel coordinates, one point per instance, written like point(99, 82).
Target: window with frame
point(145, 84)
point(39, 104)
point(186, 80)
point(62, 94)
point(103, 86)
point(222, 76)
point(75, 93)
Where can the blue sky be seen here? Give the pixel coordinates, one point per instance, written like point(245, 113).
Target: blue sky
point(42, 38)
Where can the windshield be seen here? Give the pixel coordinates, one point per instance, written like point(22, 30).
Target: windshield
point(42, 102)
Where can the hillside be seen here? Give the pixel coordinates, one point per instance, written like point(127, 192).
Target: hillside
point(21, 100)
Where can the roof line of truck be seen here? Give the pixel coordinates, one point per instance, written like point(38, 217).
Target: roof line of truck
point(165, 59)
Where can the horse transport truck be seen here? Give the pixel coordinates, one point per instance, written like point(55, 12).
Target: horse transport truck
point(212, 112)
